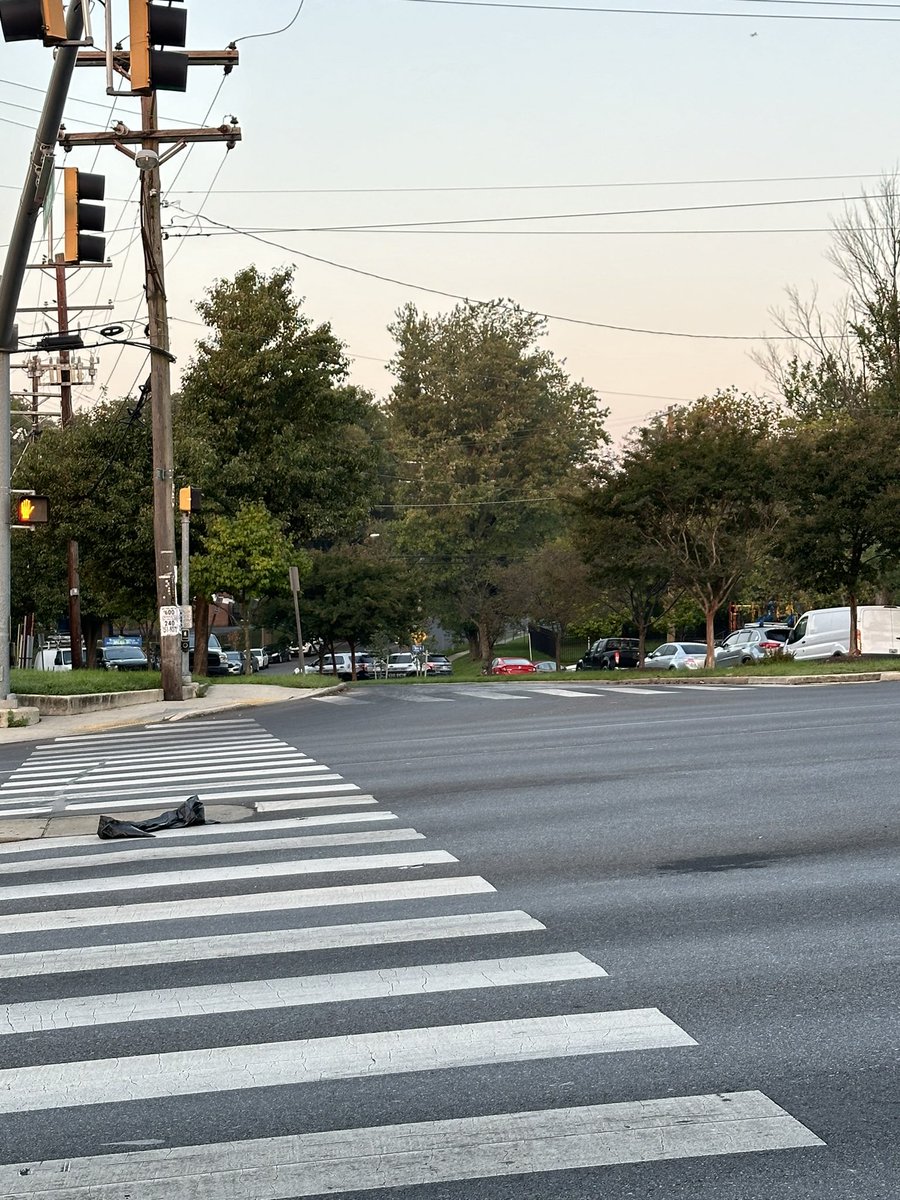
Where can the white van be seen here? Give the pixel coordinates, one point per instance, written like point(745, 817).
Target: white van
point(52, 658)
point(825, 632)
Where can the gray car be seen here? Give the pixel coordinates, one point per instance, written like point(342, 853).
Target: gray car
point(677, 656)
point(751, 644)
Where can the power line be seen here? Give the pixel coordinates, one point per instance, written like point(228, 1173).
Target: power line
point(191, 232)
point(661, 12)
point(530, 187)
point(419, 287)
point(272, 32)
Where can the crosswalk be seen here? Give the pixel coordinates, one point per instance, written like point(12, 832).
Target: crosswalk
point(231, 761)
point(219, 1013)
point(494, 693)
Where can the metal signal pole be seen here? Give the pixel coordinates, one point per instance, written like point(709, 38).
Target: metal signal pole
point(65, 407)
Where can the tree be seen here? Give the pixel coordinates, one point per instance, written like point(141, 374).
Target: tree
point(700, 483)
point(841, 478)
point(98, 475)
point(352, 596)
point(634, 575)
point(487, 428)
point(248, 556)
point(553, 588)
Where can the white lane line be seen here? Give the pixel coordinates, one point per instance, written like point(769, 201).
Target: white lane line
point(113, 781)
point(159, 731)
point(551, 691)
point(426, 1152)
point(351, 1056)
point(255, 740)
point(341, 700)
point(230, 873)
point(275, 941)
point(26, 812)
point(490, 692)
point(639, 690)
point(145, 850)
point(222, 758)
point(221, 906)
point(244, 829)
point(210, 794)
point(258, 995)
point(264, 806)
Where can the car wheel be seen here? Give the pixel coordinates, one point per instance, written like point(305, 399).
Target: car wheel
point(746, 662)
point(673, 667)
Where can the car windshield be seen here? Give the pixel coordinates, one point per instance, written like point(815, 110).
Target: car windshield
point(124, 652)
point(516, 662)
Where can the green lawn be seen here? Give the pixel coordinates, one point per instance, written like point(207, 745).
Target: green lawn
point(80, 683)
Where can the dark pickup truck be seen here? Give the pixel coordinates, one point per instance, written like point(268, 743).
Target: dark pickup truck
point(609, 654)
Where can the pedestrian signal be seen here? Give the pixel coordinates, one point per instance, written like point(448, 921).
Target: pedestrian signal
point(32, 510)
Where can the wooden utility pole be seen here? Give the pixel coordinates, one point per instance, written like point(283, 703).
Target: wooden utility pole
point(65, 408)
point(161, 411)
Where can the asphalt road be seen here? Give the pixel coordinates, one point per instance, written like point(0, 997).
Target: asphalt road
point(727, 857)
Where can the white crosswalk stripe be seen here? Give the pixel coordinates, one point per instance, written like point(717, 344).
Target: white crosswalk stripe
point(89, 940)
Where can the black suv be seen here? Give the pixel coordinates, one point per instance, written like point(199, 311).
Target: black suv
point(610, 653)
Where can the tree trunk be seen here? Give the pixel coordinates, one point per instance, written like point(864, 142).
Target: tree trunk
point(245, 622)
point(854, 647)
point(485, 644)
point(201, 635)
point(557, 643)
point(352, 646)
point(472, 639)
point(642, 642)
point(710, 613)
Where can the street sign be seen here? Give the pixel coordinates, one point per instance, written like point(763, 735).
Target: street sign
point(169, 620)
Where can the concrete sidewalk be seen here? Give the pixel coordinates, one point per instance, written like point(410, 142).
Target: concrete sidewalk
point(218, 698)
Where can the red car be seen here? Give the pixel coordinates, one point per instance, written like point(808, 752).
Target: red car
point(511, 666)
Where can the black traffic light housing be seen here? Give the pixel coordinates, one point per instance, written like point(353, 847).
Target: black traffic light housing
point(81, 190)
point(33, 21)
point(156, 70)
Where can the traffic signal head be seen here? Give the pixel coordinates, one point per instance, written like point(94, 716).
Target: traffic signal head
point(189, 499)
point(80, 189)
point(32, 510)
point(157, 70)
point(33, 20)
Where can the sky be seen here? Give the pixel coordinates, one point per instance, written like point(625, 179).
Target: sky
point(496, 124)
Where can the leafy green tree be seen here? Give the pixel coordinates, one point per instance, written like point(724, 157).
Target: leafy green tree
point(98, 475)
point(248, 556)
point(487, 430)
point(700, 483)
point(265, 412)
point(841, 478)
point(553, 588)
point(634, 575)
point(353, 596)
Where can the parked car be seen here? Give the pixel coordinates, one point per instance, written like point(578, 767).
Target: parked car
point(235, 661)
point(274, 655)
point(341, 665)
point(676, 656)
point(546, 664)
point(402, 665)
point(52, 658)
point(751, 644)
point(119, 657)
point(825, 632)
point(511, 666)
point(216, 662)
point(261, 655)
point(609, 654)
point(438, 664)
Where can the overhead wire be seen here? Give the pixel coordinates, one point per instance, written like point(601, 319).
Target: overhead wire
point(419, 287)
point(660, 12)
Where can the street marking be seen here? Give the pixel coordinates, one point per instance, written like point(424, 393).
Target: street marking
point(142, 851)
point(221, 906)
point(425, 1152)
point(350, 1056)
point(551, 691)
point(341, 700)
point(244, 829)
point(275, 941)
point(490, 692)
point(74, 1012)
point(264, 806)
point(228, 873)
point(212, 795)
point(224, 759)
point(26, 812)
point(153, 731)
point(114, 781)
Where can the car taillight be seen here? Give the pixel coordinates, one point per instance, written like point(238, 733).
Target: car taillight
point(770, 645)
point(616, 656)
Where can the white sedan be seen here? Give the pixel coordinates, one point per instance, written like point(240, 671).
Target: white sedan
point(676, 656)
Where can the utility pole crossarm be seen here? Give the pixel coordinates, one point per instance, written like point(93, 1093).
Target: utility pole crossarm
point(230, 134)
